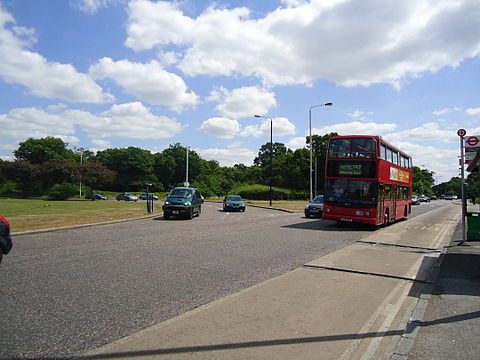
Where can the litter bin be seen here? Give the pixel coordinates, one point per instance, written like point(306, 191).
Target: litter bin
point(473, 225)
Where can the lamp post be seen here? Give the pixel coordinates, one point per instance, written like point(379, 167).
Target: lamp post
point(271, 152)
point(186, 170)
point(80, 152)
point(311, 144)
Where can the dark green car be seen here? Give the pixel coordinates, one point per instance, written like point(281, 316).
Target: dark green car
point(233, 202)
point(183, 201)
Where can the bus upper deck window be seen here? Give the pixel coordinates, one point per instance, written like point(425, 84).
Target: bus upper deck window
point(339, 148)
point(364, 148)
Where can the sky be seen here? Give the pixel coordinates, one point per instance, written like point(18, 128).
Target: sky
point(105, 74)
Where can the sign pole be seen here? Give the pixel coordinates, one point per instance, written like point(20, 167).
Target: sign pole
point(461, 133)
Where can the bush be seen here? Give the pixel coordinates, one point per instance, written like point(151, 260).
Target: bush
point(262, 192)
point(62, 191)
point(9, 188)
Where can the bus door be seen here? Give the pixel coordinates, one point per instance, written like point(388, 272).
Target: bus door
point(393, 207)
point(380, 205)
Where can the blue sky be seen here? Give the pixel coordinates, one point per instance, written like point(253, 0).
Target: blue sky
point(118, 73)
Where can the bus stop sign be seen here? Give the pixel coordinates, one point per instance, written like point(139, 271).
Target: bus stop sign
point(461, 132)
point(472, 141)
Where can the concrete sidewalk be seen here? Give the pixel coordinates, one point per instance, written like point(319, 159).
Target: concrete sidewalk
point(353, 303)
point(449, 327)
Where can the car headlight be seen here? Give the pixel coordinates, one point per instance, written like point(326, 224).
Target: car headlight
point(167, 202)
point(187, 203)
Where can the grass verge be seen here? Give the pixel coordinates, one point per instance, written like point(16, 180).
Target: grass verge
point(29, 214)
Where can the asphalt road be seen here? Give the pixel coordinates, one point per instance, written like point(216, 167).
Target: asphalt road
point(65, 292)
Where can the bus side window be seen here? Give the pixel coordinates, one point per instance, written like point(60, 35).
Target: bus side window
point(388, 193)
point(383, 151)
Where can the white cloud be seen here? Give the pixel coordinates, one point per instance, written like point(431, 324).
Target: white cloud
point(297, 143)
point(280, 127)
point(427, 131)
point(131, 120)
point(445, 111)
point(356, 127)
point(222, 128)
point(233, 154)
point(304, 41)
point(43, 78)
point(473, 111)
point(149, 82)
point(100, 144)
point(92, 6)
point(243, 102)
point(444, 161)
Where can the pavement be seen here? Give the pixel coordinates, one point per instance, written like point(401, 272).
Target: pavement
point(388, 296)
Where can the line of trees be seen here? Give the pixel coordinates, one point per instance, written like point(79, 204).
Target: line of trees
point(46, 166)
point(42, 165)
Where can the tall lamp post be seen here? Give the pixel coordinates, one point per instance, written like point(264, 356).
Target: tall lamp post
point(311, 143)
point(271, 152)
point(186, 170)
point(80, 152)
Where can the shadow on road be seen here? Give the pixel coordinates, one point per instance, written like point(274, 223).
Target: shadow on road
point(325, 225)
point(265, 343)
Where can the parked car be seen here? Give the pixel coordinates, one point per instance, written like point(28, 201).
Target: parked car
point(233, 202)
point(315, 208)
point(150, 196)
point(5, 239)
point(96, 197)
point(433, 197)
point(415, 200)
point(424, 198)
point(126, 197)
point(450, 197)
point(182, 201)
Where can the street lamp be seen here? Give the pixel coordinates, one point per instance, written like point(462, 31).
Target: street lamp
point(311, 143)
point(271, 152)
point(80, 152)
point(186, 170)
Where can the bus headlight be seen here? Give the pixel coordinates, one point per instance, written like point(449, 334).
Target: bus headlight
point(327, 210)
point(367, 213)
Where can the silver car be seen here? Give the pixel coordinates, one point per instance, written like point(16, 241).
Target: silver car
point(315, 208)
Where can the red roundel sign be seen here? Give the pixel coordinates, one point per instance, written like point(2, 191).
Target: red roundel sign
point(461, 132)
point(472, 141)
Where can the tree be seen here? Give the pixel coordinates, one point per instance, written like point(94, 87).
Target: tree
point(134, 167)
point(97, 176)
point(38, 151)
point(175, 165)
point(423, 181)
point(320, 148)
point(24, 174)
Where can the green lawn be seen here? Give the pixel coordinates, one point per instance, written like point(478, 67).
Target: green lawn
point(29, 214)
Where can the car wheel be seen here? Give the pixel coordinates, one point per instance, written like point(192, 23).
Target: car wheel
point(199, 211)
point(307, 214)
point(243, 209)
point(166, 216)
point(190, 214)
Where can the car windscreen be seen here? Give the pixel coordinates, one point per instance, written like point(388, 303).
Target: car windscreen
point(234, 198)
point(351, 193)
point(180, 193)
point(318, 200)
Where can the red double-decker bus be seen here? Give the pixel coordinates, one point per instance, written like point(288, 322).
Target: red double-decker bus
point(367, 180)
